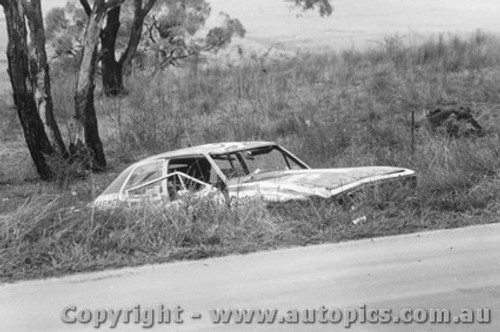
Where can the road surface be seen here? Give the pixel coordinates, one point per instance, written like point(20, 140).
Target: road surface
point(451, 269)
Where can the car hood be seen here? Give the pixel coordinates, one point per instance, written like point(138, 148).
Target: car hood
point(285, 185)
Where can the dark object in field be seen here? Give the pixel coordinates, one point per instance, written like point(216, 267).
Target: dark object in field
point(456, 123)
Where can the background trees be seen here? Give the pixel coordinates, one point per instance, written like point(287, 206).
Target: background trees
point(324, 7)
point(165, 31)
point(175, 35)
point(112, 68)
point(109, 32)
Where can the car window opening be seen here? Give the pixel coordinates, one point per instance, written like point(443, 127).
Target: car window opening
point(248, 162)
point(197, 168)
point(145, 174)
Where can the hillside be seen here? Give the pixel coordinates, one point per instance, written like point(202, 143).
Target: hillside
point(337, 91)
point(333, 109)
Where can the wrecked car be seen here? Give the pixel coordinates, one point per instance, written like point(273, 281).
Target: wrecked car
point(238, 173)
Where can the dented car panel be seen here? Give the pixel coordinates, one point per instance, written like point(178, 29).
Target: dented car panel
point(238, 172)
point(323, 183)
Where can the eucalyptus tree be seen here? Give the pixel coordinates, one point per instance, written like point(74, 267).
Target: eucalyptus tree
point(30, 81)
point(86, 130)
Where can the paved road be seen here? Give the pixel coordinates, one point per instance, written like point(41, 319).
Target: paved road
point(451, 269)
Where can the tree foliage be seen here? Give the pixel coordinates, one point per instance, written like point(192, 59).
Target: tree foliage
point(65, 28)
point(324, 7)
point(173, 30)
point(175, 33)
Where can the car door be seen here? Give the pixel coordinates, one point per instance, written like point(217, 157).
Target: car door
point(147, 182)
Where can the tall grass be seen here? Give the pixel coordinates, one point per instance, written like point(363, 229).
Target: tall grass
point(333, 109)
point(350, 108)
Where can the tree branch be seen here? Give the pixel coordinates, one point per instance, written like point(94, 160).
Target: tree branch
point(140, 14)
point(150, 30)
point(86, 6)
point(137, 10)
point(147, 8)
point(112, 3)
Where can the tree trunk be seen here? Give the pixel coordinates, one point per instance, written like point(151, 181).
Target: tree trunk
point(87, 133)
point(140, 14)
point(40, 74)
point(112, 77)
point(24, 95)
point(113, 70)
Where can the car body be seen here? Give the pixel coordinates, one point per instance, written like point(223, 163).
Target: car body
point(237, 173)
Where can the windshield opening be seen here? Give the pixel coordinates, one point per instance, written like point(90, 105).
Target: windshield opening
point(254, 161)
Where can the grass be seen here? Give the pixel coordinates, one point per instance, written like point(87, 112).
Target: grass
point(349, 108)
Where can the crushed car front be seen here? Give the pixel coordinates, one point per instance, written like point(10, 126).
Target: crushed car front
point(282, 186)
point(273, 174)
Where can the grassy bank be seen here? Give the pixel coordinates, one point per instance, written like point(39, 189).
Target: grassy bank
point(339, 109)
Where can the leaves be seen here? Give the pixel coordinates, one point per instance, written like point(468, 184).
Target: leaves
point(324, 7)
point(65, 28)
point(174, 29)
point(219, 37)
point(55, 21)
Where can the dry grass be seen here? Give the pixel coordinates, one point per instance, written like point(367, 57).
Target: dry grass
point(339, 109)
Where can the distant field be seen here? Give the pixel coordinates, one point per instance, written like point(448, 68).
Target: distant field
point(350, 108)
point(354, 22)
point(358, 22)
